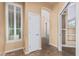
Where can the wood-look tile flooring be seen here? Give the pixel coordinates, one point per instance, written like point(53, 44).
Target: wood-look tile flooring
point(47, 50)
point(69, 50)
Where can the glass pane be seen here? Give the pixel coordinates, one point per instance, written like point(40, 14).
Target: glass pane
point(71, 16)
point(18, 22)
point(11, 21)
point(11, 34)
point(18, 32)
point(72, 23)
point(18, 18)
point(11, 16)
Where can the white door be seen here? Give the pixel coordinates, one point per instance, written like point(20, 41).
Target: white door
point(34, 31)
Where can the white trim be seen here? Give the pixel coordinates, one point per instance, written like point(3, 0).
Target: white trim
point(77, 29)
point(14, 50)
point(59, 35)
point(71, 34)
point(13, 3)
point(45, 8)
point(35, 50)
point(27, 52)
point(6, 18)
point(69, 46)
point(22, 18)
point(14, 24)
point(65, 5)
point(49, 10)
point(53, 45)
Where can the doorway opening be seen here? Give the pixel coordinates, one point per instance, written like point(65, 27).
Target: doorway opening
point(45, 13)
point(68, 29)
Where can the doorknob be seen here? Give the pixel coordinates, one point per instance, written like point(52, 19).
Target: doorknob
point(37, 34)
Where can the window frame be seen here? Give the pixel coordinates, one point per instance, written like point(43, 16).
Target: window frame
point(7, 21)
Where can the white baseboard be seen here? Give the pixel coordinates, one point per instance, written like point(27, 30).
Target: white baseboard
point(53, 45)
point(14, 50)
point(69, 46)
point(27, 52)
point(39, 48)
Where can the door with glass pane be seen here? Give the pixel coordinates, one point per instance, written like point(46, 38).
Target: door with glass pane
point(68, 20)
point(69, 26)
point(14, 22)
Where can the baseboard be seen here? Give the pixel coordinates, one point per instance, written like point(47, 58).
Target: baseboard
point(52, 45)
point(39, 48)
point(14, 50)
point(27, 52)
point(68, 46)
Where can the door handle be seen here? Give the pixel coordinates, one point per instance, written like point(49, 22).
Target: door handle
point(37, 34)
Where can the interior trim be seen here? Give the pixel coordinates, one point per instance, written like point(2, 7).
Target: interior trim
point(14, 50)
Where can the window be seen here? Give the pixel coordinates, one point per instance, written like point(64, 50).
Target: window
point(13, 21)
point(72, 15)
point(72, 23)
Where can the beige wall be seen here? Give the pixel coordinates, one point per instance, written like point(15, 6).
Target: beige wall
point(2, 26)
point(55, 9)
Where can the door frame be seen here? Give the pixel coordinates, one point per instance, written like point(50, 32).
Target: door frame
point(59, 40)
point(28, 31)
point(47, 9)
point(77, 29)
